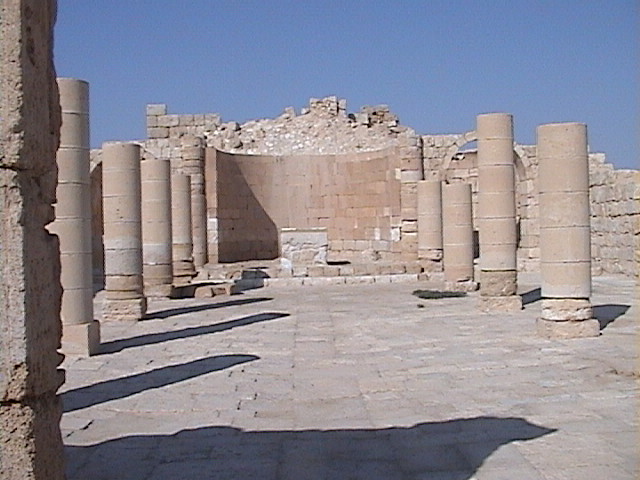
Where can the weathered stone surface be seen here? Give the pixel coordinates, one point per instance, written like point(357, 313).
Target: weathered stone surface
point(498, 283)
point(511, 303)
point(566, 309)
point(130, 309)
point(579, 329)
point(30, 292)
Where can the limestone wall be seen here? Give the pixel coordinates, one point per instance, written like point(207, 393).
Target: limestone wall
point(614, 196)
point(356, 197)
point(325, 134)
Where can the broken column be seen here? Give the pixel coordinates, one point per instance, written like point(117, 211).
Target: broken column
point(457, 237)
point(30, 291)
point(157, 268)
point(193, 165)
point(124, 298)
point(80, 332)
point(183, 270)
point(430, 225)
point(497, 213)
point(565, 248)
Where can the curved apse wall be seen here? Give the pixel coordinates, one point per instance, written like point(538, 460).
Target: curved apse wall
point(251, 197)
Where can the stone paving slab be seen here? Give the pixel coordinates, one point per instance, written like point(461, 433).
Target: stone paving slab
point(356, 382)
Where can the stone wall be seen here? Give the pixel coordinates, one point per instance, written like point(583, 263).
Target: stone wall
point(30, 291)
point(325, 129)
point(356, 197)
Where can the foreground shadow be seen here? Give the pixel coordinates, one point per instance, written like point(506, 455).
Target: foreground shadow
point(605, 314)
point(170, 312)
point(126, 386)
point(451, 450)
point(152, 338)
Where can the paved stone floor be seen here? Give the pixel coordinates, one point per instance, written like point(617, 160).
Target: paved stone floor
point(356, 382)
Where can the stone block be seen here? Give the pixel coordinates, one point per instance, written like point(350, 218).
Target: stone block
point(565, 330)
point(498, 283)
point(566, 309)
point(132, 309)
point(81, 339)
point(494, 304)
point(156, 109)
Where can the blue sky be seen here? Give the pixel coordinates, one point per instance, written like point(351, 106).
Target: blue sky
point(437, 64)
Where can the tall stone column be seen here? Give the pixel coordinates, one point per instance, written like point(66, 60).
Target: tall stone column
point(30, 291)
point(80, 332)
point(430, 225)
point(565, 237)
point(457, 237)
point(193, 165)
point(497, 213)
point(183, 270)
point(157, 268)
point(124, 298)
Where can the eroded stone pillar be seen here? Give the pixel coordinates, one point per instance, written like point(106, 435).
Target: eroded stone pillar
point(30, 290)
point(157, 268)
point(80, 332)
point(430, 225)
point(124, 298)
point(193, 165)
point(565, 238)
point(457, 237)
point(183, 270)
point(497, 213)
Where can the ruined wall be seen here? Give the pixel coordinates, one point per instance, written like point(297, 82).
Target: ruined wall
point(615, 218)
point(30, 291)
point(354, 196)
point(325, 129)
point(614, 196)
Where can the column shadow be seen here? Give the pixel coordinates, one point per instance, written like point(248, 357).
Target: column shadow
point(531, 296)
point(160, 337)
point(608, 313)
point(170, 312)
point(451, 450)
point(123, 387)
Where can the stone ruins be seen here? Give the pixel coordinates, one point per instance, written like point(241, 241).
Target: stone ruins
point(319, 196)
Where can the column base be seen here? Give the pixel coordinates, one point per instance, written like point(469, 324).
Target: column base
point(466, 286)
point(158, 291)
point(507, 303)
point(567, 329)
point(498, 283)
point(131, 309)
point(81, 339)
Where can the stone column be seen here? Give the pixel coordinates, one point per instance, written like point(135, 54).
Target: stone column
point(193, 165)
point(497, 213)
point(80, 332)
point(183, 270)
point(122, 232)
point(565, 247)
point(457, 237)
point(30, 291)
point(157, 268)
point(430, 225)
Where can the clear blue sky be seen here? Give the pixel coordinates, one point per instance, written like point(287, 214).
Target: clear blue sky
point(435, 63)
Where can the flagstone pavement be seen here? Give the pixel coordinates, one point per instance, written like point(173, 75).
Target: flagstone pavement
point(356, 382)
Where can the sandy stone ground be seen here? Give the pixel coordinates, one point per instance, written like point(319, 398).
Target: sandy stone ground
point(356, 382)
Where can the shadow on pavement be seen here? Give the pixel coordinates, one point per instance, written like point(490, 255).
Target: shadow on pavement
point(153, 338)
point(160, 377)
point(200, 308)
point(451, 450)
point(531, 296)
point(605, 314)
